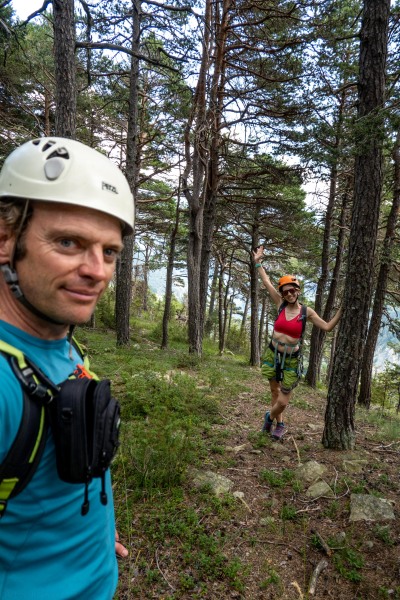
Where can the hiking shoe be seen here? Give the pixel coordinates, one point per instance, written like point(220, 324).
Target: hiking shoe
point(279, 431)
point(267, 426)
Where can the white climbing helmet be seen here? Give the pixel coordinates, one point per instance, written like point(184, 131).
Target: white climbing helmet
point(54, 169)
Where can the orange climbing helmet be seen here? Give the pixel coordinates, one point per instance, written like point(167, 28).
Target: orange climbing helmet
point(288, 280)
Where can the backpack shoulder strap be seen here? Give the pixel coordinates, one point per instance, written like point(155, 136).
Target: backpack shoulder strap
point(282, 306)
point(22, 459)
point(82, 370)
point(303, 318)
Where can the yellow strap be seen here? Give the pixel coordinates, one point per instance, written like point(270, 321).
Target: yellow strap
point(8, 349)
point(6, 488)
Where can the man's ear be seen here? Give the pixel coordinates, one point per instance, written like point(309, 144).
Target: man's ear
point(7, 241)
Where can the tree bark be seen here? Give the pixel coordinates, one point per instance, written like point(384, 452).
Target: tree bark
point(244, 317)
point(254, 301)
point(262, 324)
point(339, 432)
point(168, 282)
point(317, 340)
point(364, 396)
point(220, 305)
point(214, 118)
point(333, 288)
point(203, 165)
point(124, 272)
point(65, 69)
point(210, 319)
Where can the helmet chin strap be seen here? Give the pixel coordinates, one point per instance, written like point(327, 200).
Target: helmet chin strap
point(11, 279)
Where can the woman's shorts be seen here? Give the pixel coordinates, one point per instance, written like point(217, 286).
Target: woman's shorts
point(290, 370)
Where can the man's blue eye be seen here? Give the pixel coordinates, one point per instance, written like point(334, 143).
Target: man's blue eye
point(110, 252)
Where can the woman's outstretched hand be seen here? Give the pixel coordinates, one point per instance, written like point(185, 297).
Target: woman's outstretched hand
point(258, 254)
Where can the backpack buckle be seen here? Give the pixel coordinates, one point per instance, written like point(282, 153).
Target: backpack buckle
point(30, 382)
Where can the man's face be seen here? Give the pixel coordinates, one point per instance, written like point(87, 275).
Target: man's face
point(70, 258)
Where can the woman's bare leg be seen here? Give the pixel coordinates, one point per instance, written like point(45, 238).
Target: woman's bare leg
point(279, 401)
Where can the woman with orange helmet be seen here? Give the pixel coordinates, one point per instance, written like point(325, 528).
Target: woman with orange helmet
point(281, 363)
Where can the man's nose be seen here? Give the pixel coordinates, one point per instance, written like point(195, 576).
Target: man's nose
point(94, 266)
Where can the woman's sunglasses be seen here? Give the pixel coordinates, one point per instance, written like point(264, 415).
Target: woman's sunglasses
point(289, 291)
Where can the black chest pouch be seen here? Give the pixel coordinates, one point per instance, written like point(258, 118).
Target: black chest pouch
point(85, 421)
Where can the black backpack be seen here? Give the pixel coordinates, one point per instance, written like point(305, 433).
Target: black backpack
point(84, 419)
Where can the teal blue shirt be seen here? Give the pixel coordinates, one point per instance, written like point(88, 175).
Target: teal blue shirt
point(48, 550)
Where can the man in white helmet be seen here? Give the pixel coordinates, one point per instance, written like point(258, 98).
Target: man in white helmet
point(64, 209)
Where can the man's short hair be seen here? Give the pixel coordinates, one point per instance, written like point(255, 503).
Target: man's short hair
point(11, 213)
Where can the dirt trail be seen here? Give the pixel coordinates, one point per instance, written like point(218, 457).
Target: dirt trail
point(276, 535)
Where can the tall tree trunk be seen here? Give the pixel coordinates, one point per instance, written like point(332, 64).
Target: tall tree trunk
point(203, 166)
point(364, 396)
point(320, 336)
point(221, 309)
point(65, 69)
point(123, 294)
point(225, 307)
point(47, 106)
point(168, 282)
point(317, 335)
point(220, 27)
point(244, 317)
point(145, 291)
point(316, 340)
point(262, 323)
point(266, 332)
point(254, 299)
point(339, 416)
point(210, 319)
point(196, 155)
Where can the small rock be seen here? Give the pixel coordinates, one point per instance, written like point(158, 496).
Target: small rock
point(318, 489)
point(310, 472)
point(354, 466)
point(369, 508)
point(218, 483)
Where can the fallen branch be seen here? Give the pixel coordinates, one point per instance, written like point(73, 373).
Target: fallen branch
point(388, 445)
point(314, 577)
point(163, 575)
point(326, 548)
point(383, 449)
point(308, 509)
point(297, 450)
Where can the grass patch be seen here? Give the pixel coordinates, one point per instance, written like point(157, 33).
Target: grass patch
point(348, 563)
point(277, 480)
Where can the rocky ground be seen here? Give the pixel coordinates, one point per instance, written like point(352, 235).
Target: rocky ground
point(285, 536)
point(293, 542)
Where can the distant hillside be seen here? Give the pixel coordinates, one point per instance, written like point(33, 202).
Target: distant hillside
point(383, 353)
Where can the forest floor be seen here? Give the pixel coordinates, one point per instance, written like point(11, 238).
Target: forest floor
point(272, 529)
point(281, 547)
